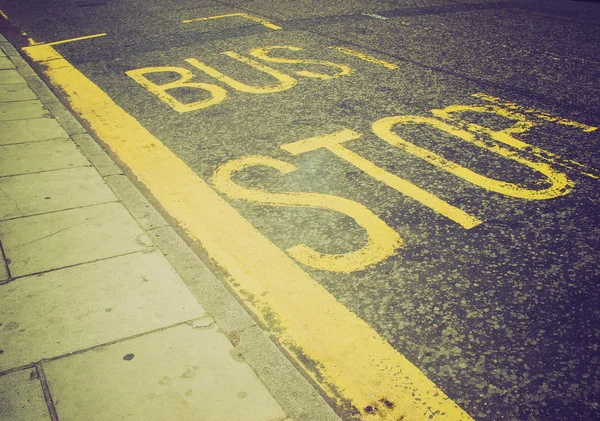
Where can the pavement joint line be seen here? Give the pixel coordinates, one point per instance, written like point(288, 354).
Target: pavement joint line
point(149, 250)
point(46, 391)
point(116, 200)
point(189, 322)
point(21, 119)
point(13, 101)
point(15, 369)
point(5, 263)
point(28, 142)
point(43, 171)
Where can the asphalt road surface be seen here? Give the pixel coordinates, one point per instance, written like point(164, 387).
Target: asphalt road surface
point(431, 164)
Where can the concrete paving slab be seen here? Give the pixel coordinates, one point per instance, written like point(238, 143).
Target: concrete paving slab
point(50, 191)
point(55, 240)
point(5, 63)
point(22, 398)
point(39, 156)
point(182, 373)
point(16, 92)
point(22, 110)
point(10, 76)
point(209, 291)
point(76, 308)
point(30, 130)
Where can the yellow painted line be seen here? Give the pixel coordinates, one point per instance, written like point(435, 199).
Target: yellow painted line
point(64, 41)
point(343, 354)
point(539, 114)
point(3, 14)
point(365, 57)
point(242, 15)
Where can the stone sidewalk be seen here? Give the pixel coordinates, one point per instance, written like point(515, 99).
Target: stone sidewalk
point(105, 313)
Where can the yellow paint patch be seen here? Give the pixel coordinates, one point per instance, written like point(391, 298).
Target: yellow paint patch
point(365, 57)
point(559, 183)
point(285, 82)
point(522, 125)
point(263, 54)
point(537, 113)
point(3, 15)
point(333, 142)
point(382, 240)
point(354, 363)
point(241, 15)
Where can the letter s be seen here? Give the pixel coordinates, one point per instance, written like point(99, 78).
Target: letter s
point(382, 242)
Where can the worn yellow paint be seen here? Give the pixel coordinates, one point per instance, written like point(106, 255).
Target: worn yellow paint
point(4, 15)
point(217, 94)
point(522, 126)
point(382, 241)
point(241, 15)
point(263, 54)
point(537, 113)
point(333, 142)
point(354, 363)
point(559, 183)
point(365, 57)
point(285, 81)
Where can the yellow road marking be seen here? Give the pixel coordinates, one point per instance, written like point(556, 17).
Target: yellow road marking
point(342, 353)
point(64, 41)
point(333, 142)
point(365, 57)
point(242, 15)
point(3, 15)
point(539, 114)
